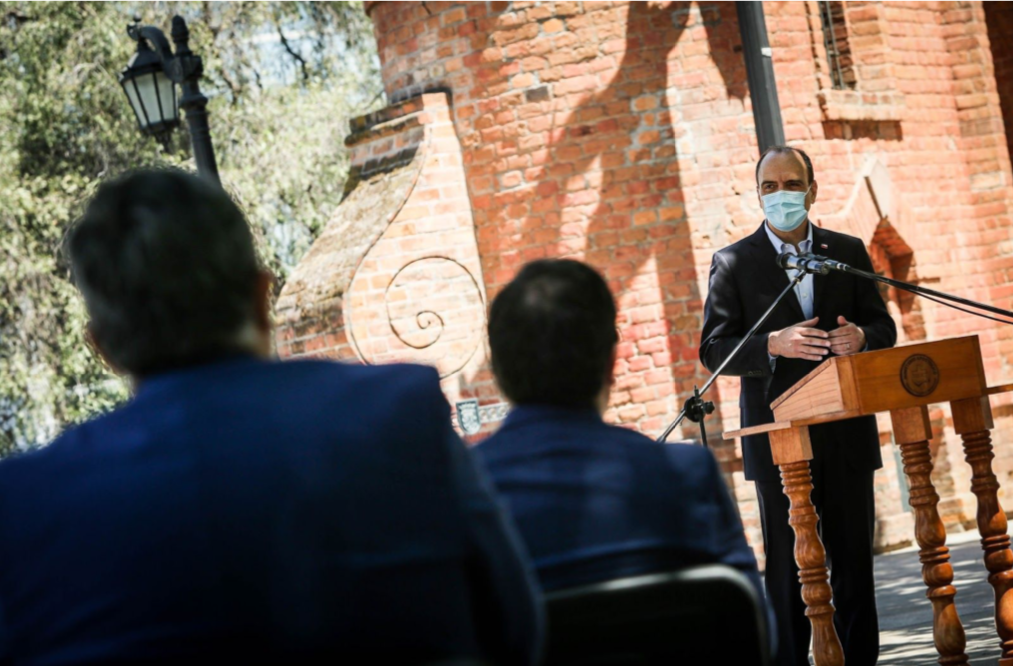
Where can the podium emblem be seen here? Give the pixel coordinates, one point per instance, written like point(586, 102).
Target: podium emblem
point(919, 375)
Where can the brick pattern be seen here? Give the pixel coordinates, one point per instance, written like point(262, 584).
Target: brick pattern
point(621, 133)
point(411, 289)
point(980, 258)
point(565, 116)
point(862, 35)
point(841, 62)
point(948, 164)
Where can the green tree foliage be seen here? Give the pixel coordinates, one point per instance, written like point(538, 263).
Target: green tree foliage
point(283, 79)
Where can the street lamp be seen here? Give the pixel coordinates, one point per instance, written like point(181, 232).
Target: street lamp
point(150, 79)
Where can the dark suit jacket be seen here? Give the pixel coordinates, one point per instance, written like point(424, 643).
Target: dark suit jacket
point(744, 281)
point(251, 510)
point(596, 502)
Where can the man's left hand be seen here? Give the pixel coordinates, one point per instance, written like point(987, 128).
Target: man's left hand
point(847, 339)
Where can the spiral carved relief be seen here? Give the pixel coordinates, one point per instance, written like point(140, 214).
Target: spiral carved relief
point(434, 312)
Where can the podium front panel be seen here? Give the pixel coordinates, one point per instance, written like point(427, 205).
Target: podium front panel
point(921, 374)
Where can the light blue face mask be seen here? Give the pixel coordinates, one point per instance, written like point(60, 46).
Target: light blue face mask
point(785, 210)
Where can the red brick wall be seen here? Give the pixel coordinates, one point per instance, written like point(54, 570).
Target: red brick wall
point(623, 134)
point(395, 276)
point(565, 114)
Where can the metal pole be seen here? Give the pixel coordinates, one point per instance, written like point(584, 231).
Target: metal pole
point(760, 73)
point(195, 103)
point(695, 406)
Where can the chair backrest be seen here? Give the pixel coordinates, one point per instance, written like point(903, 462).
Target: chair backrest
point(707, 614)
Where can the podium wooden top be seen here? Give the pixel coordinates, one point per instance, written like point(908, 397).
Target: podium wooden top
point(848, 386)
point(784, 425)
point(887, 379)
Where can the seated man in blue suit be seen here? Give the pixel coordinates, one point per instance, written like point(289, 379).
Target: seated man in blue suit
point(594, 502)
point(237, 509)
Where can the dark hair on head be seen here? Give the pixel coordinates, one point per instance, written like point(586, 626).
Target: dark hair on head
point(787, 149)
point(167, 267)
point(551, 332)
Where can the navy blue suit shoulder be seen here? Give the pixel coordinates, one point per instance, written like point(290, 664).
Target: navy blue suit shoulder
point(596, 502)
point(262, 508)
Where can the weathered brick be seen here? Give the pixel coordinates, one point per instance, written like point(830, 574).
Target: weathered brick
point(623, 134)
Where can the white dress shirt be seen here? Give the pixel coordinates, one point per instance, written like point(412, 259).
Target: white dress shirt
point(804, 289)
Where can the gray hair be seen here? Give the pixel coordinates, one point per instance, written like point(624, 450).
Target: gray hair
point(787, 149)
point(167, 267)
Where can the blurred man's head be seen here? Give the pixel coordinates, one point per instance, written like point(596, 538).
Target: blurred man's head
point(169, 274)
point(552, 332)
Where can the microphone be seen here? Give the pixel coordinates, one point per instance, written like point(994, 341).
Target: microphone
point(809, 263)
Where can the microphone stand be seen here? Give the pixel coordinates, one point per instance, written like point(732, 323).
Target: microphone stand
point(696, 408)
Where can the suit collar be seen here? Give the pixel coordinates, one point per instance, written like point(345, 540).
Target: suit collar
point(522, 414)
point(777, 243)
point(821, 246)
point(195, 372)
point(820, 237)
point(764, 258)
point(759, 237)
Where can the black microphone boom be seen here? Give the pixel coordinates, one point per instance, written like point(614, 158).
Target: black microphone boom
point(822, 265)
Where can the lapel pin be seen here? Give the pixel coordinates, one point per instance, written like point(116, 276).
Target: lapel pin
point(823, 246)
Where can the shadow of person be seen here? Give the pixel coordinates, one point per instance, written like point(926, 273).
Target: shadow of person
point(614, 172)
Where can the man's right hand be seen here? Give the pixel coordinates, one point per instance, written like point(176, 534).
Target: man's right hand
point(800, 341)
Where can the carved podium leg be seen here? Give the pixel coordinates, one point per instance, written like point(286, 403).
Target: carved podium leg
point(912, 432)
point(972, 419)
point(792, 452)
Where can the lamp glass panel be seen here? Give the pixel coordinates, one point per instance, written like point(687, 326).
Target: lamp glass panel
point(149, 99)
point(167, 96)
point(135, 102)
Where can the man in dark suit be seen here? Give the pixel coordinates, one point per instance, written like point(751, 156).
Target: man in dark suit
point(833, 314)
point(237, 509)
point(594, 502)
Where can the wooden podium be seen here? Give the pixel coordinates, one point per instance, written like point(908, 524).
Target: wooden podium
point(903, 381)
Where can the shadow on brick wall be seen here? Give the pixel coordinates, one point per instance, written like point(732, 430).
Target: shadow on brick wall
point(613, 173)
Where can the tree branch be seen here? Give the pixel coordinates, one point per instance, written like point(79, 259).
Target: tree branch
point(292, 52)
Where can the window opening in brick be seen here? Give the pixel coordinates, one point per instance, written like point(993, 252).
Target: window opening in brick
point(835, 41)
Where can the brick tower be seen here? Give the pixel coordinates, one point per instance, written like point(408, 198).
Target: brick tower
point(622, 134)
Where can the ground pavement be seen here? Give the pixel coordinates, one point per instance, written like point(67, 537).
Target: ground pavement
point(905, 615)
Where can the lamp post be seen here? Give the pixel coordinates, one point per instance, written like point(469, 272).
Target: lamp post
point(150, 79)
